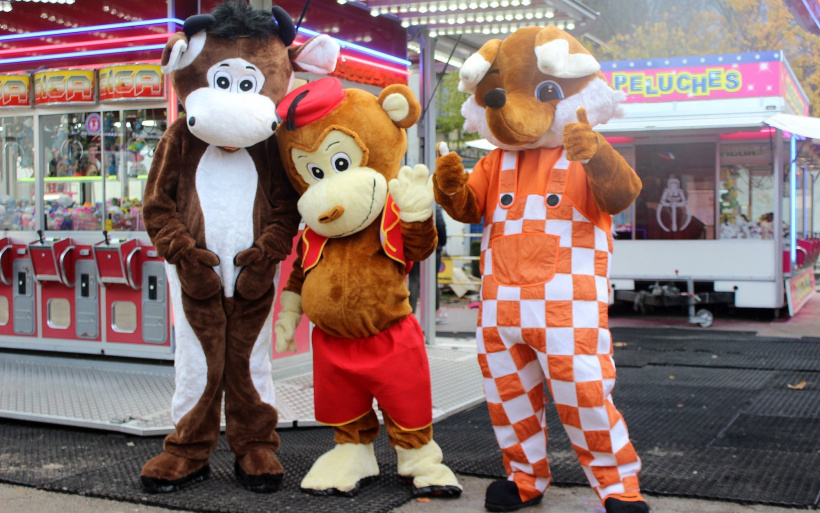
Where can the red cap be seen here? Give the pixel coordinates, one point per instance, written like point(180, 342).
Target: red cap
point(310, 102)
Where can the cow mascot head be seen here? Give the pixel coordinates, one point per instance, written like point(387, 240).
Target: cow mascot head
point(221, 212)
point(546, 196)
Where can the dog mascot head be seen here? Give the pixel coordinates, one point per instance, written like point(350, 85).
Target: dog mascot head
point(526, 88)
point(230, 69)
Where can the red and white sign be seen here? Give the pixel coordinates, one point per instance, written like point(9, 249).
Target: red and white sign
point(65, 86)
point(131, 82)
point(15, 91)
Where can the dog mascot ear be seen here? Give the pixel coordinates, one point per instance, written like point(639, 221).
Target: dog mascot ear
point(221, 212)
point(367, 219)
point(546, 195)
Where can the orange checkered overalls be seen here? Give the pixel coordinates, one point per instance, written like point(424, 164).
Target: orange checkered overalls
point(545, 258)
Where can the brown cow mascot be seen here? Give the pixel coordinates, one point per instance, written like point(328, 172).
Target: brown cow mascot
point(220, 211)
point(367, 218)
point(546, 195)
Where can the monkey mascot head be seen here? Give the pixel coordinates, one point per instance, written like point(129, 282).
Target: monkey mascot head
point(341, 147)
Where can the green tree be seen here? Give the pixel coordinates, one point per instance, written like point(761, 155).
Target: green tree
point(449, 121)
point(721, 26)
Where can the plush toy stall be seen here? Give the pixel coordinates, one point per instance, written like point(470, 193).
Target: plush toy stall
point(84, 104)
point(725, 150)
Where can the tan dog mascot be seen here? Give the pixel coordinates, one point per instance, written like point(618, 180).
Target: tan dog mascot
point(366, 221)
point(546, 196)
point(220, 211)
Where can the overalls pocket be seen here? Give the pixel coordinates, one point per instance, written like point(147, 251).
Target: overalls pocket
point(524, 259)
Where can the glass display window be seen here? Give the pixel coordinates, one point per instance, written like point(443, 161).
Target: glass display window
point(746, 191)
point(678, 195)
point(17, 173)
point(95, 167)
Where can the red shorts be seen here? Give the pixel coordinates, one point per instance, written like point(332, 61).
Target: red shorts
point(391, 367)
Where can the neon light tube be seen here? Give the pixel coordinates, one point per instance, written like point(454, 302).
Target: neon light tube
point(94, 28)
point(109, 51)
point(98, 42)
point(792, 205)
point(376, 65)
point(358, 48)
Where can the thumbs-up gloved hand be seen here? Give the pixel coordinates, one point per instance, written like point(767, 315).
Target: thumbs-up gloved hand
point(580, 141)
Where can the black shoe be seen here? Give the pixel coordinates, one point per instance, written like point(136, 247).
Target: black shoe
point(614, 505)
point(157, 485)
point(264, 483)
point(502, 495)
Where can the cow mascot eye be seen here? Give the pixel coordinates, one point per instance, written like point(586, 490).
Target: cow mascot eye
point(222, 80)
point(316, 171)
point(341, 162)
point(548, 91)
point(247, 84)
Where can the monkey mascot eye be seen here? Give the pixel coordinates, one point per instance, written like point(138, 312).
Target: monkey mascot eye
point(340, 162)
point(547, 91)
point(315, 171)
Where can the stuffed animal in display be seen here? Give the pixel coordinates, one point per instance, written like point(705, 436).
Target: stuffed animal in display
point(546, 195)
point(367, 219)
point(221, 212)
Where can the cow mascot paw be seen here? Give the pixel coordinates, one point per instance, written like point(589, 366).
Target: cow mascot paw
point(368, 218)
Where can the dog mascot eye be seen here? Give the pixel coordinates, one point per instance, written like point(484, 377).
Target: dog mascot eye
point(341, 162)
point(247, 85)
point(548, 91)
point(222, 80)
point(315, 171)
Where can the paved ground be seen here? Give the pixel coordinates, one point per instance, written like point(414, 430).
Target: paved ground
point(17, 499)
point(459, 323)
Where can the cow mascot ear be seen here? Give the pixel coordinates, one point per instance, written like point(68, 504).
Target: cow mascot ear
point(178, 44)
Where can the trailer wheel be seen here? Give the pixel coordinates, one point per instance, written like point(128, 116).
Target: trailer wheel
point(704, 318)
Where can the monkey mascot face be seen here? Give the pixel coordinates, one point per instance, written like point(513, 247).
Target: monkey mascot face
point(341, 147)
point(526, 88)
point(230, 69)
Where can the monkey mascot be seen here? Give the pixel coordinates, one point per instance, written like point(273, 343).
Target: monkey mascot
point(546, 195)
point(366, 219)
point(220, 211)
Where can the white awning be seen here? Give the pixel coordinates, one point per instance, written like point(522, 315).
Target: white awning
point(800, 125)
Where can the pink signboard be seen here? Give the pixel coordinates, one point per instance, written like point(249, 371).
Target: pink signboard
point(709, 77)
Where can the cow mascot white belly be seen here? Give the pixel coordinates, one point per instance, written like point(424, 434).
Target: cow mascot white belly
point(221, 212)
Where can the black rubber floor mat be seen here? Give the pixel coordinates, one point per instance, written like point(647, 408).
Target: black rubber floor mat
point(739, 360)
point(786, 402)
point(108, 465)
point(749, 476)
point(785, 434)
point(658, 375)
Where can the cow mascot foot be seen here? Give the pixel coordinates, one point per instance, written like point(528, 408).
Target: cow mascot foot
point(503, 495)
point(616, 505)
point(168, 473)
point(342, 471)
point(259, 471)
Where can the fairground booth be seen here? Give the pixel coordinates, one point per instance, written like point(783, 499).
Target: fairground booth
point(83, 106)
point(727, 155)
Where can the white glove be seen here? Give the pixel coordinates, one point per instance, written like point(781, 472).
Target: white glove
point(288, 320)
point(412, 190)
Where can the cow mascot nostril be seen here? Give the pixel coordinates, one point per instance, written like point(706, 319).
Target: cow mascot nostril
point(221, 212)
point(546, 195)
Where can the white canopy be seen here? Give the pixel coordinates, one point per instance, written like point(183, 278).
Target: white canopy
point(801, 125)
